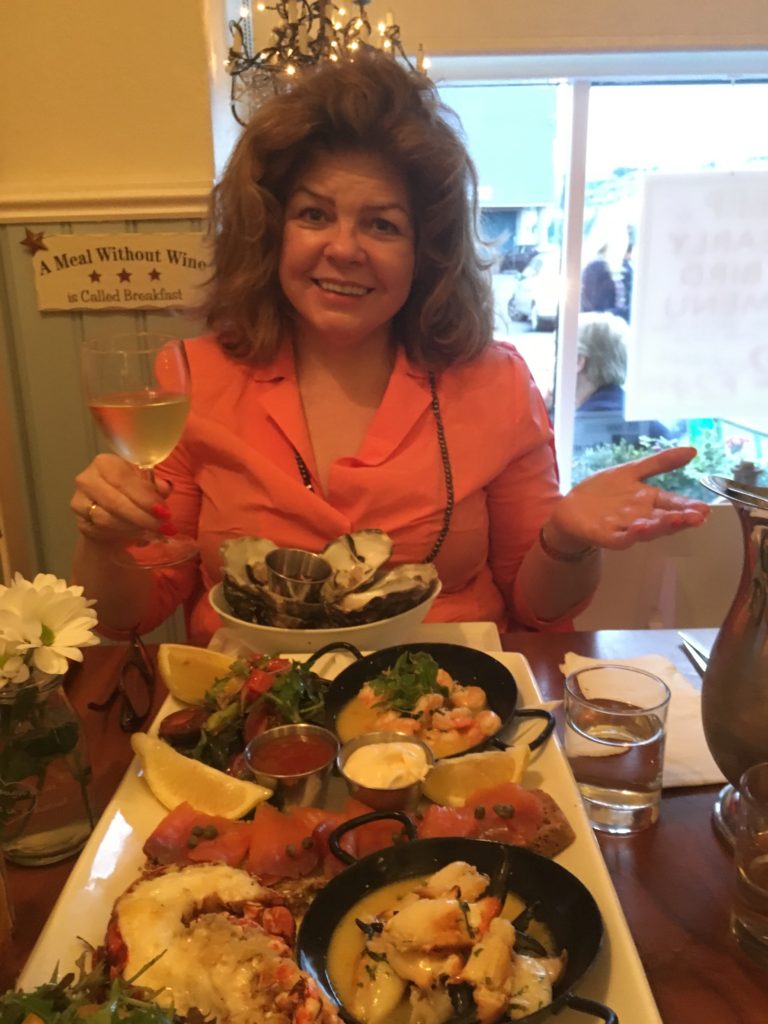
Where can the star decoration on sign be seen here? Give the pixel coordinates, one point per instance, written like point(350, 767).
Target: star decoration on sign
point(124, 275)
point(95, 276)
point(33, 241)
point(154, 274)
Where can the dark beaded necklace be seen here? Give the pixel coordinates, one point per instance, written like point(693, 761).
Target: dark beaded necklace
point(447, 471)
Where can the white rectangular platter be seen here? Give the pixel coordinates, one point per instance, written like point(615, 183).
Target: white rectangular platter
point(112, 858)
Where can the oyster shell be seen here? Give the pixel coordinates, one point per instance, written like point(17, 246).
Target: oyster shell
point(243, 559)
point(259, 604)
point(354, 558)
point(360, 589)
point(389, 593)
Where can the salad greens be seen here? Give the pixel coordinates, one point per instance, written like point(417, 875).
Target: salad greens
point(413, 675)
point(298, 695)
point(91, 997)
point(256, 694)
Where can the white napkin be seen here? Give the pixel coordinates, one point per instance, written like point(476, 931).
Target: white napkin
point(687, 760)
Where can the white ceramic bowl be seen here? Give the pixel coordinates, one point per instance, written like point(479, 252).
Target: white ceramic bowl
point(272, 640)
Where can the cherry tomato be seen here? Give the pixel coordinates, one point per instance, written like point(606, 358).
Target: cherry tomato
point(256, 721)
point(257, 682)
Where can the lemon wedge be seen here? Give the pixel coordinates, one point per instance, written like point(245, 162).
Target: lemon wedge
point(189, 672)
point(453, 780)
point(175, 779)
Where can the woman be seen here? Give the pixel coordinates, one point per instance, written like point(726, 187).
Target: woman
point(601, 370)
point(351, 381)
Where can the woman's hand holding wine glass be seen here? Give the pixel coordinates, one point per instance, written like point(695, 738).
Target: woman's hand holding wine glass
point(137, 388)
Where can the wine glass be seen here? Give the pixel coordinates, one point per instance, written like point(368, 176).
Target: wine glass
point(137, 388)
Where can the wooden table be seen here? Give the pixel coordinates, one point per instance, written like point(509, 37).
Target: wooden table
point(674, 881)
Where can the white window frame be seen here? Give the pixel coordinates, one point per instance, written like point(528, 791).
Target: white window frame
point(580, 72)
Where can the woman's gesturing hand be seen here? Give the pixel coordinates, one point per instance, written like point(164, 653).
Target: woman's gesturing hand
point(113, 501)
point(615, 508)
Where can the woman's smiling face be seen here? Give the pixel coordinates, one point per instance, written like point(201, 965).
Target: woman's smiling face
point(347, 256)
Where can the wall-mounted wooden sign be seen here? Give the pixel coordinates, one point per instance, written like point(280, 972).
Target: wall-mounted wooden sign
point(125, 271)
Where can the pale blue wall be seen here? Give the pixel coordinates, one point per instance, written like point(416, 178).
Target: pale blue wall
point(511, 135)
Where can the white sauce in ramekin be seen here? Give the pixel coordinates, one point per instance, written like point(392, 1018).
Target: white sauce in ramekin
point(387, 765)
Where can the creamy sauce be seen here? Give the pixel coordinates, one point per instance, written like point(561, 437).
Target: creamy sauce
point(357, 718)
point(347, 941)
point(386, 765)
point(419, 699)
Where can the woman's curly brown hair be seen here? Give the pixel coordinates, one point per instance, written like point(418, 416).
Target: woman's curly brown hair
point(374, 105)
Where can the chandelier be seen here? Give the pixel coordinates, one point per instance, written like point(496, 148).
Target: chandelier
point(308, 32)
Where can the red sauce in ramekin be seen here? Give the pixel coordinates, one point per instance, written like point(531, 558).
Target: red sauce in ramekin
point(291, 755)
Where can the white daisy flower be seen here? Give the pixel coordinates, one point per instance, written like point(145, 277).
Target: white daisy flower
point(13, 669)
point(43, 625)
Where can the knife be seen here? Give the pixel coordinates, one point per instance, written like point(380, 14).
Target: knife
point(695, 650)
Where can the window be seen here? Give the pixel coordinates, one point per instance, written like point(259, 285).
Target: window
point(564, 280)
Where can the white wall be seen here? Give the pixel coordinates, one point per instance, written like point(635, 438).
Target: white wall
point(101, 99)
point(686, 580)
point(573, 26)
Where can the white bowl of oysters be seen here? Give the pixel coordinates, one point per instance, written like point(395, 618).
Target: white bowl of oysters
point(354, 596)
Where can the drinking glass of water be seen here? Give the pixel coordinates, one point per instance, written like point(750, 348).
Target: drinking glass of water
point(137, 388)
point(615, 719)
point(749, 912)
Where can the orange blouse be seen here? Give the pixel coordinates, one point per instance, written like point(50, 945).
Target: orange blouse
point(235, 473)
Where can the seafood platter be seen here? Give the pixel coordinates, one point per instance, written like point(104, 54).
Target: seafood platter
point(482, 896)
point(348, 589)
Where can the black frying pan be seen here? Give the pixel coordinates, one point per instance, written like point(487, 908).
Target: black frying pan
point(555, 896)
point(466, 665)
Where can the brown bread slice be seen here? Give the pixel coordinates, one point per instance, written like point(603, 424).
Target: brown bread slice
point(555, 832)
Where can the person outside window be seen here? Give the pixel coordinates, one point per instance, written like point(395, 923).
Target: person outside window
point(598, 288)
point(601, 371)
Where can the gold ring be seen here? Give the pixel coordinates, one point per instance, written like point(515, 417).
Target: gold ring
point(88, 515)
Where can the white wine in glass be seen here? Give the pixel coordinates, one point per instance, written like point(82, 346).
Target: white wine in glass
point(137, 388)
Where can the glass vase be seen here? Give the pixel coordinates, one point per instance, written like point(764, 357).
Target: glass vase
point(45, 809)
point(6, 930)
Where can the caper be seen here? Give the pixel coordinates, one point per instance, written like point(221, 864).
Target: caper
point(504, 810)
